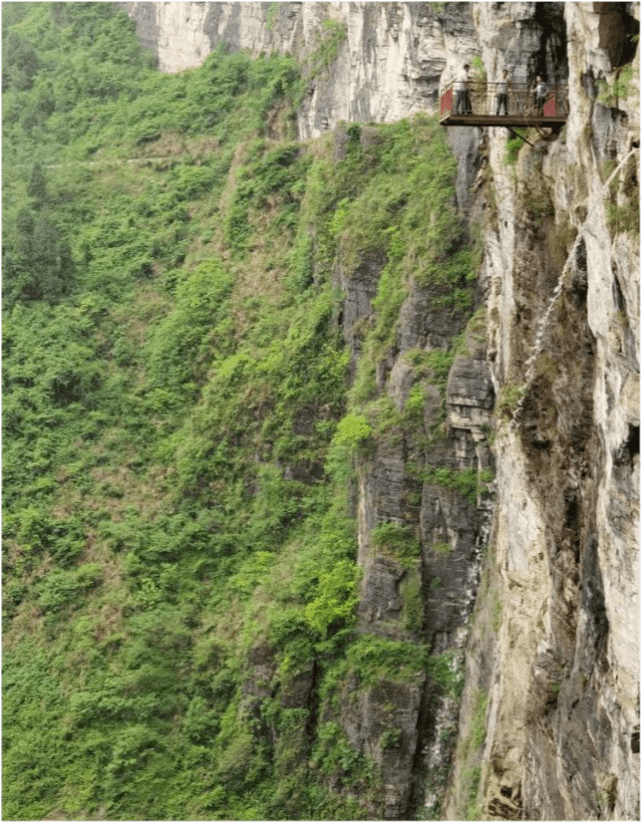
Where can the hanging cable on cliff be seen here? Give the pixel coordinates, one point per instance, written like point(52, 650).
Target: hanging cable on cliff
point(543, 324)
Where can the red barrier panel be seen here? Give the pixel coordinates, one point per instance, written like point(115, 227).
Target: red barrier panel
point(549, 109)
point(446, 101)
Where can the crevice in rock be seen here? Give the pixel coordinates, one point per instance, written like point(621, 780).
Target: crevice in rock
point(579, 279)
point(551, 60)
point(572, 522)
point(419, 770)
point(625, 454)
point(617, 292)
point(617, 30)
point(593, 601)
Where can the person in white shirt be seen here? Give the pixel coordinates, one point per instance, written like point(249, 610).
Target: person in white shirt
point(540, 90)
point(461, 87)
point(501, 92)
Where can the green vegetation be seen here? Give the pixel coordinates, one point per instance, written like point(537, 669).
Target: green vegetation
point(331, 36)
point(446, 670)
point(478, 67)
point(397, 541)
point(272, 15)
point(469, 482)
point(497, 609)
point(180, 442)
point(621, 87)
point(622, 204)
point(623, 219)
point(412, 595)
point(438, 5)
point(435, 364)
point(509, 398)
point(562, 240)
point(353, 432)
point(468, 753)
point(390, 739)
point(378, 658)
point(512, 147)
point(538, 201)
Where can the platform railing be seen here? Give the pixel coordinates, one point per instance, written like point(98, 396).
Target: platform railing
point(483, 99)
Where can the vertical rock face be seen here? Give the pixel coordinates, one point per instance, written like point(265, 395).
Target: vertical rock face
point(552, 653)
point(562, 687)
point(397, 487)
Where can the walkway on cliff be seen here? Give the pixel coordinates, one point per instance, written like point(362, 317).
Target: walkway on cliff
point(523, 112)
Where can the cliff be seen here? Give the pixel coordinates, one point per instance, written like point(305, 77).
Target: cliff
point(554, 649)
point(486, 447)
point(562, 722)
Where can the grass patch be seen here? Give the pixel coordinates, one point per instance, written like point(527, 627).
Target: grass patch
point(446, 670)
point(468, 481)
point(513, 146)
point(508, 399)
point(396, 541)
point(468, 751)
point(620, 88)
point(378, 658)
point(411, 593)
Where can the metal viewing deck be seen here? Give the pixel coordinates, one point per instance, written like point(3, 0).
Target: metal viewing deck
point(481, 106)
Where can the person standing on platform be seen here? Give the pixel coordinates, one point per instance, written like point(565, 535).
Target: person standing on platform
point(540, 90)
point(501, 92)
point(461, 88)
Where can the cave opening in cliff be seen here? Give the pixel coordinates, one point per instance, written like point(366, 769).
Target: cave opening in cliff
point(618, 32)
point(571, 525)
point(551, 60)
point(630, 448)
point(617, 292)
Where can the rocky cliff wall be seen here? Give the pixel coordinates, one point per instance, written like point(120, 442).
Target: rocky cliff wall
point(390, 61)
point(548, 724)
point(549, 651)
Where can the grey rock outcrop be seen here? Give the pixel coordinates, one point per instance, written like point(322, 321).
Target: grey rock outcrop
point(449, 527)
point(470, 394)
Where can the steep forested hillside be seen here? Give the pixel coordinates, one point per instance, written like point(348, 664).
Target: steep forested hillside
point(182, 418)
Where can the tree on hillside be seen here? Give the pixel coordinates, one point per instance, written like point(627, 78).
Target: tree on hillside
point(19, 63)
point(37, 187)
point(37, 262)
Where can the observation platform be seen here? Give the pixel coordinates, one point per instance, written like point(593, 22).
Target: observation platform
point(523, 109)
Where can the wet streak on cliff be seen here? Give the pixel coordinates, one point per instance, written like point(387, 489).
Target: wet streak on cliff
point(564, 453)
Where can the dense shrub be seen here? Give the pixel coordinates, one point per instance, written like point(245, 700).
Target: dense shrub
point(180, 442)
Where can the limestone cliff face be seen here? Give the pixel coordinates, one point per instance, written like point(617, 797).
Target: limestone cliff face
point(388, 66)
point(550, 639)
point(562, 276)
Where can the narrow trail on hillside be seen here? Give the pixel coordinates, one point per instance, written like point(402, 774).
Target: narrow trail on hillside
point(108, 162)
point(570, 265)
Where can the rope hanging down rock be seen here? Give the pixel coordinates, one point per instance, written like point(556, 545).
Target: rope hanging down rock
point(570, 264)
